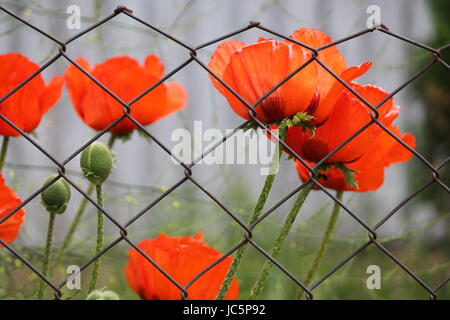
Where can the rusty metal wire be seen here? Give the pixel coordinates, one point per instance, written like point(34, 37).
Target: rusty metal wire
point(188, 175)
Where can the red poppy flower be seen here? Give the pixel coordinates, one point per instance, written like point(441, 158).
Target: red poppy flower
point(126, 79)
point(9, 229)
point(252, 70)
point(348, 116)
point(26, 106)
point(182, 258)
point(384, 151)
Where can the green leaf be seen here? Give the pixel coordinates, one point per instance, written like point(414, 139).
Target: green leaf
point(251, 126)
point(299, 119)
point(349, 174)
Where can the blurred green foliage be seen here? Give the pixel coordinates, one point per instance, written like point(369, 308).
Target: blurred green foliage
point(433, 88)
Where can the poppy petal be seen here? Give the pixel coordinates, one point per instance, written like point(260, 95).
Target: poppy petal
point(153, 66)
point(9, 229)
point(176, 98)
point(384, 152)
point(220, 59)
point(52, 93)
point(330, 56)
point(182, 258)
point(329, 88)
point(370, 167)
point(329, 98)
point(23, 107)
point(77, 83)
point(127, 80)
point(256, 69)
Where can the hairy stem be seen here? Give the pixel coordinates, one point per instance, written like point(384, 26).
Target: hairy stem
point(4, 151)
point(99, 247)
point(261, 280)
point(256, 213)
point(73, 227)
point(323, 245)
point(48, 248)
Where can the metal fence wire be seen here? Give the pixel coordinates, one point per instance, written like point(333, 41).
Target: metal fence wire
point(191, 51)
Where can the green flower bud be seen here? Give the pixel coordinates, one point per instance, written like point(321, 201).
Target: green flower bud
point(110, 295)
point(96, 162)
point(56, 197)
point(102, 295)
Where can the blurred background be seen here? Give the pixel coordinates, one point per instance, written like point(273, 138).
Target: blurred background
point(417, 234)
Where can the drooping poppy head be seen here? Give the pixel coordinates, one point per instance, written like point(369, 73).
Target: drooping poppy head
point(369, 175)
point(9, 229)
point(348, 116)
point(252, 70)
point(127, 79)
point(182, 258)
point(26, 106)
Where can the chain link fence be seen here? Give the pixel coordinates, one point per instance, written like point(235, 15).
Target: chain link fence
point(191, 53)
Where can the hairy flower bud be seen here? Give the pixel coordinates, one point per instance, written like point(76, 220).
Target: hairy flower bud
point(56, 197)
point(96, 162)
point(102, 295)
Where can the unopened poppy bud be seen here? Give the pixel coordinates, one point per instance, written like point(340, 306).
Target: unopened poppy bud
point(94, 295)
point(56, 197)
point(102, 295)
point(96, 163)
point(110, 295)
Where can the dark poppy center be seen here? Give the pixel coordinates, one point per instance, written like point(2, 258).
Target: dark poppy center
point(314, 150)
point(314, 103)
point(273, 108)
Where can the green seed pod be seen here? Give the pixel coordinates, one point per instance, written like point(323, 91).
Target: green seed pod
point(96, 162)
point(56, 197)
point(102, 295)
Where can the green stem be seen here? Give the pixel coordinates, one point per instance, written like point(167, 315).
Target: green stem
point(279, 242)
point(4, 151)
point(48, 247)
point(99, 248)
point(79, 214)
point(111, 140)
point(323, 245)
point(73, 227)
point(255, 215)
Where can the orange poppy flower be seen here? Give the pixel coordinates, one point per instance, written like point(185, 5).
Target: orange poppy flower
point(182, 258)
point(9, 229)
point(252, 70)
point(26, 106)
point(126, 79)
point(347, 117)
point(383, 152)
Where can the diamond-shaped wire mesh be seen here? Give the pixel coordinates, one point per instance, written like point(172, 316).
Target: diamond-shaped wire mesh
point(191, 52)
